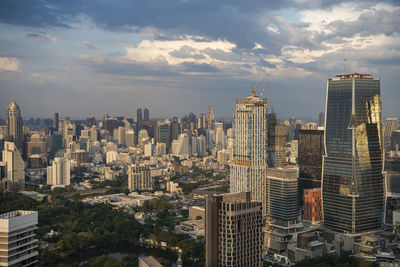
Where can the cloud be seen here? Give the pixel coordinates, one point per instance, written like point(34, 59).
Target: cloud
point(87, 45)
point(9, 64)
point(42, 36)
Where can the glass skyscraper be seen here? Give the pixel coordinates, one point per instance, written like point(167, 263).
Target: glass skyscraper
point(353, 183)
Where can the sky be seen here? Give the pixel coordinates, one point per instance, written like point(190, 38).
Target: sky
point(91, 57)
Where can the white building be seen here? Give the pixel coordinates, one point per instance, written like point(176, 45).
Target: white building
point(18, 239)
point(111, 156)
point(180, 147)
point(248, 171)
point(59, 174)
point(15, 166)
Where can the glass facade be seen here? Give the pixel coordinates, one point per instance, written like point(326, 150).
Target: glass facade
point(353, 183)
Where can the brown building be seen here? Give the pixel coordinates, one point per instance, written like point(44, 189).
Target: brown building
point(312, 206)
point(233, 230)
point(36, 145)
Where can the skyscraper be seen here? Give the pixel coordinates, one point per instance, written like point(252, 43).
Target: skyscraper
point(211, 118)
point(277, 132)
point(163, 133)
point(310, 152)
point(353, 184)
point(139, 115)
point(146, 115)
point(14, 125)
point(391, 125)
point(248, 172)
point(55, 121)
point(233, 228)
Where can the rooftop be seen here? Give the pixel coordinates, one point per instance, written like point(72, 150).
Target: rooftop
point(14, 214)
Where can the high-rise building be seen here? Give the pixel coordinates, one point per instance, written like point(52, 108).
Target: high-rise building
point(277, 132)
point(59, 174)
point(211, 118)
point(219, 135)
point(353, 184)
point(129, 138)
point(163, 133)
point(18, 238)
point(139, 115)
point(391, 125)
point(309, 160)
point(146, 115)
point(36, 145)
point(175, 128)
point(90, 121)
point(180, 147)
point(281, 208)
point(139, 178)
point(55, 121)
point(321, 119)
point(14, 125)
point(248, 171)
point(15, 165)
point(312, 207)
point(233, 230)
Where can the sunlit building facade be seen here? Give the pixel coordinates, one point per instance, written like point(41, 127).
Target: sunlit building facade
point(353, 188)
point(248, 171)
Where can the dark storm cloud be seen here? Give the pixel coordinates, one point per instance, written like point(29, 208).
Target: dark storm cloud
point(235, 21)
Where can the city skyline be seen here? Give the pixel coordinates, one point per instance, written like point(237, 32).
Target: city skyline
point(74, 60)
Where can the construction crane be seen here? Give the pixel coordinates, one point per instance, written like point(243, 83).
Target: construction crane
point(254, 90)
point(269, 98)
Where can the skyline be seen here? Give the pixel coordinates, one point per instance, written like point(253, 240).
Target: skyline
point(92, 58)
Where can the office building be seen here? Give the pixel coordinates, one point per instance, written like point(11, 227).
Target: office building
point(129, 138)
point(233, 230)
point(36, 145)
point(15, 166)
point(163, 133)
point(391, 125)
point(312, 207)
point(139, 115)
point(180, 147)
point(14, 125)
point(146, 115)
point(59, 173)
point(219, 135)
point(55, 121)
point(281, 208)
point(90, 121)
point(310, 152)
point(18, 238)
point(139, 178)
point(353, 184)
point(248, 171)
point(175, 128)
point(277, 132)
point(211, 118)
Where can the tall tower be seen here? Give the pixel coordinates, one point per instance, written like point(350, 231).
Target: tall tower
point(55, 121)
point(211, 118)
point(353, 188)
point(249, 169)
point(139, 115)
point(146, 114)
point(14, 125)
